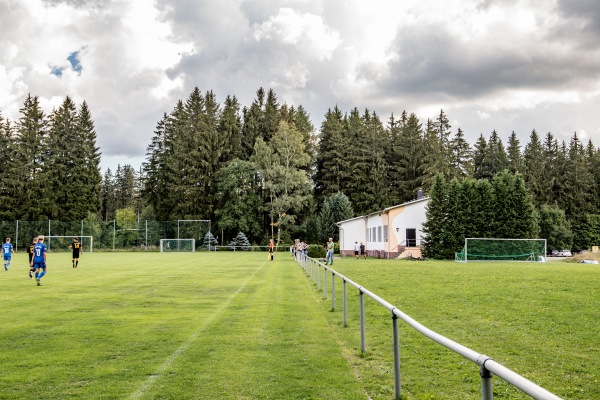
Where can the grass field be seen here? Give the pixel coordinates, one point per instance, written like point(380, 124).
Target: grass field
point(235, 326)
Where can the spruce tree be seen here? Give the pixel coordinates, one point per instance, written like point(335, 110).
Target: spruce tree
point(88, 169)
point(61, 170)
point(8, 186)
point(330, 160)
point(30, 148)
point(409, 153)
point(434, 226)
point(462, 165)
point(515, 158)
point(535, 165)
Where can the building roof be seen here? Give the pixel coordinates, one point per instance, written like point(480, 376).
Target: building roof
point(385, 210)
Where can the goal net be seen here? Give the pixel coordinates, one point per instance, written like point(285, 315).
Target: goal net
point(63, 243)
point(181, 245)
point(481, 249)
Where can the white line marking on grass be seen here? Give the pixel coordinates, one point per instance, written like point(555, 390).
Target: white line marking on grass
point(147, 384)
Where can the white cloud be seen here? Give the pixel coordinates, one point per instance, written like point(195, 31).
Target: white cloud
point(307, 31)
point(508, 65)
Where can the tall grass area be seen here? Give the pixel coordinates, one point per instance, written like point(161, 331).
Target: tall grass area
point(538, 319)
point(168, 326)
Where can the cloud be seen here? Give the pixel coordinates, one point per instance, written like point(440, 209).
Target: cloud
point(505, 65)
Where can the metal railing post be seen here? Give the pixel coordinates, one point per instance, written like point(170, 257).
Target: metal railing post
point(487, 384)
point(318, 277)
point(362, 321)
point(332, 291)
point(345, 304)
point(325, 283)
point(396, 356)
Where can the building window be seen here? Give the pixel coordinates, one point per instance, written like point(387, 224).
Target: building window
point(385, 233)
point(379, 234)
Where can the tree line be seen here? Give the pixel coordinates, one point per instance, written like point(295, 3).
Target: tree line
point(261, 169)
point(49, 164)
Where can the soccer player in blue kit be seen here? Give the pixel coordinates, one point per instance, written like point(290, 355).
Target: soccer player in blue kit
point(7, 251)
point(39, 259)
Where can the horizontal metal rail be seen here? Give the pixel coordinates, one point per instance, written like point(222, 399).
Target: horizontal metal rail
point(487, 366)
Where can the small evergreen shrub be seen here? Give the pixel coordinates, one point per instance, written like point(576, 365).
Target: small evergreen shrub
point(316, 251)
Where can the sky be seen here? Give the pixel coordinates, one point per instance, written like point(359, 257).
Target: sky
point(504, 65)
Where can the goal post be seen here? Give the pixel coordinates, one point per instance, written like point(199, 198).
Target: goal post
point(197, 229)
point(62, 243)
point(494, 249)
point(177, 245)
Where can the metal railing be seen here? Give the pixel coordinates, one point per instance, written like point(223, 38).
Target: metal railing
point(487, 366)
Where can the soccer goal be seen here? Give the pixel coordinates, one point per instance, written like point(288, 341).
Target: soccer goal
point(63, 243)
point(483, 249)
point(181, 245)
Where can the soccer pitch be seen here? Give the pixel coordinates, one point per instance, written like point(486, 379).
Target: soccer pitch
point(236, 326)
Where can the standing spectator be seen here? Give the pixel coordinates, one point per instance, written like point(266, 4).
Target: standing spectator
point(356, 249)
point(363, 253)
point(271, 248)
point(330, 250)
point(7, 250)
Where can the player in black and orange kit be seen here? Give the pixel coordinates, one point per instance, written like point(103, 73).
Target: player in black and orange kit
point(76, 246)
point(30, 252)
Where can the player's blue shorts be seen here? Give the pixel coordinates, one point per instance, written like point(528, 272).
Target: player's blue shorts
point(7, 257)
point(39, 264)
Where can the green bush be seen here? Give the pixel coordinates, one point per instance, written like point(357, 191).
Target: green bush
point(316, 251)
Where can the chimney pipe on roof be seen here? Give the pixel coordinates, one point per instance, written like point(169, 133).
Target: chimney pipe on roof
point(420, 194)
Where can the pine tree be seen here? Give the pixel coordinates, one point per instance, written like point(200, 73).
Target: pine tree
point(433, 228)
point(462, 165)
point(8, 186)
point(230, 129)
point(515, 158)
point(209, 242)
point(330, 161)
point(409, 153)
point(555, 228)
point(29, 145)
point(514, 215)
point(109, 201)
point(534, 167)
point(499, 158)
point(88, 169)
point(480, 167)
point(438, 154)
point(60, 170)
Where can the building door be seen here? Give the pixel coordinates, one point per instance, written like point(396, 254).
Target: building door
point(411, 238)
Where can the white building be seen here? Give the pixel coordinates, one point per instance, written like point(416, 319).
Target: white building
point(386, 233)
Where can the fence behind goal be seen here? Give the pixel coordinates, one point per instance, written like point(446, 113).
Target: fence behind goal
point(111, 235)
point(493, 249)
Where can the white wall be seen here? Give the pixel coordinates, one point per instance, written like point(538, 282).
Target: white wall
point(352, 231)
point(412, 216)
point(375, 221)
